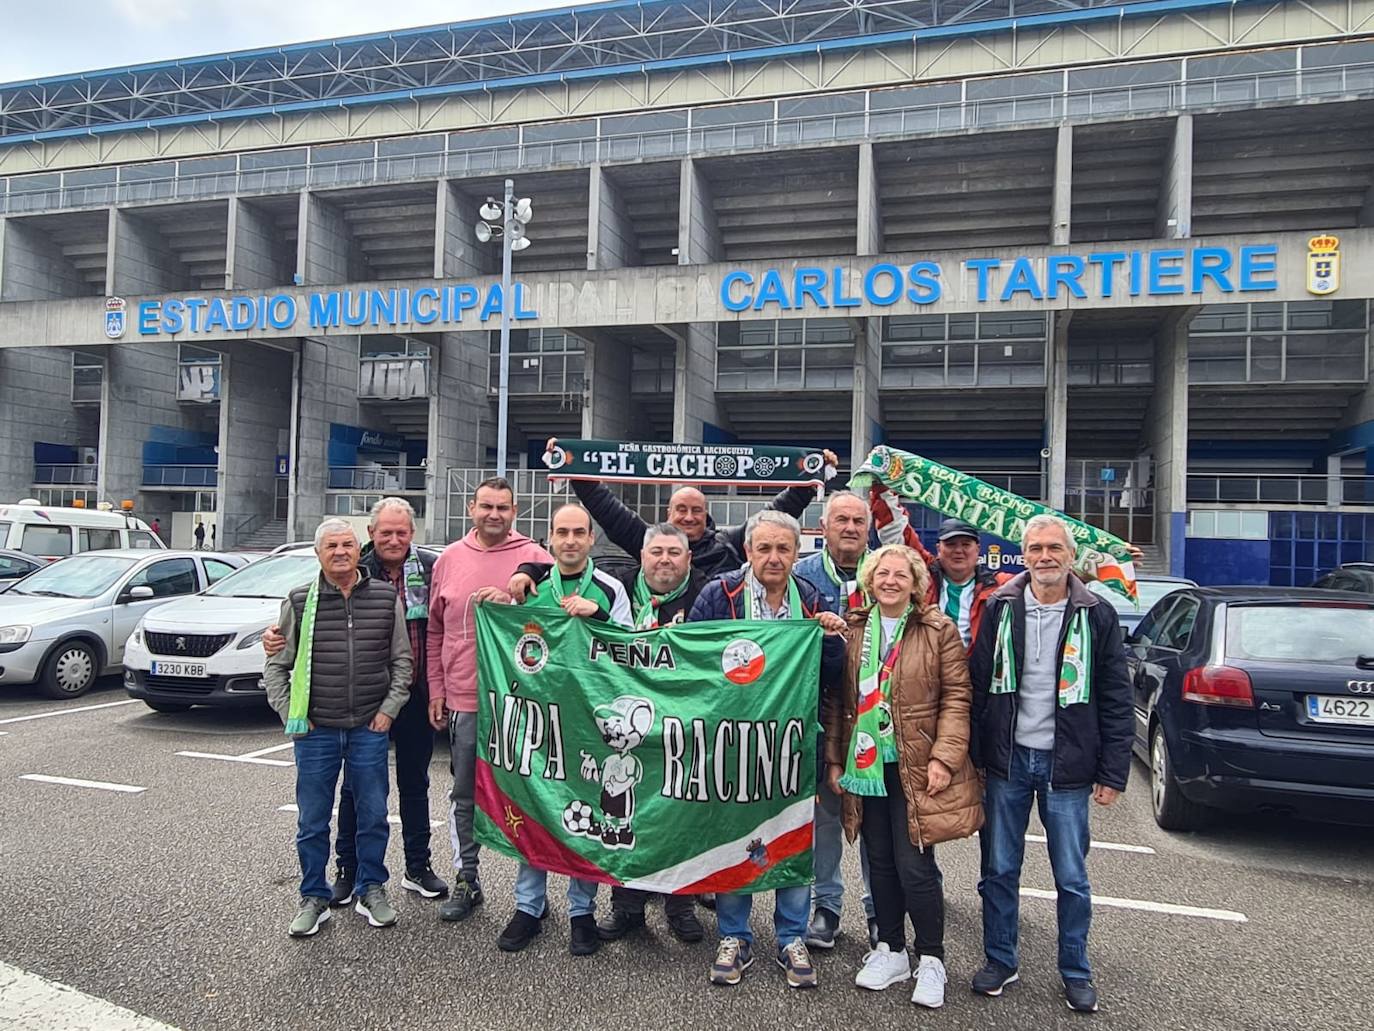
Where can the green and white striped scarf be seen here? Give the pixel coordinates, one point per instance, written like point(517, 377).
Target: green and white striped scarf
point(646, 603)
point(297, 716)
point(1075, 671)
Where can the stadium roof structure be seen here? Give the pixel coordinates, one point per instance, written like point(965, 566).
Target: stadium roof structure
point(592, 40)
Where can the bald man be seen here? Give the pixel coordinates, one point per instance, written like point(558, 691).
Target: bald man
point(715, 550)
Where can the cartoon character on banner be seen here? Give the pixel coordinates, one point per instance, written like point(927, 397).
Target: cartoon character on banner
point(624, 724)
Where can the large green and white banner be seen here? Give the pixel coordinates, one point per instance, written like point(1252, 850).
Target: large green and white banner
point(674, 760)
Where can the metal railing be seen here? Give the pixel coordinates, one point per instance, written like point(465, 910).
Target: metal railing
point(64, 474)
point(1279, 489)
point(393, 377)
point(1285, 86)
point(64, 497)
point(388, 480)
point(180, 476)
point(353, 504)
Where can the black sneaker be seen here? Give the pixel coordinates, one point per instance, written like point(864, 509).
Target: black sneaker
point(584, 940)
point(343, 886)
point(993, 978)
point(824, 926)
point(521, 930)
point(425, 881)
point(466, 897)
point(686, 927)
point(1081, 995)
point(618, 924)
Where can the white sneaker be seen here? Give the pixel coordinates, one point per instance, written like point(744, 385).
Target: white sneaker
point(930, 983)
point(882, 967)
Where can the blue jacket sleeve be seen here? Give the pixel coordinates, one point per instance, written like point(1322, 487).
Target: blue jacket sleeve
point(710, 604)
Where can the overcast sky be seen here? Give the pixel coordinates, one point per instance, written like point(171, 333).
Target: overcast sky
point(50, 37)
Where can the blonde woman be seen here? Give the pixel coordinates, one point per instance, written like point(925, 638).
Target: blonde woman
point(897, 750)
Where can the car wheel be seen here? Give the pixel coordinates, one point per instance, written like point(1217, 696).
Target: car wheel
point(1172, 811)
point(70, 671)
point(167, 706)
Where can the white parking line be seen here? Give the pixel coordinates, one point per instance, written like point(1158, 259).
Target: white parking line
point(238, 758)
point(128, 789)
point(391, 818)
point(1144, 905)
point(268, 751)
point(1106, 846)
point(30, 1001)
point(68, 712)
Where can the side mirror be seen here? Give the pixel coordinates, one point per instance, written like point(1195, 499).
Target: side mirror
point(140, 593)
point(1131, 639)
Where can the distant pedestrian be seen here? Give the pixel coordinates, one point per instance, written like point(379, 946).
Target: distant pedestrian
point(214, 531)
point(156, 528)
point(200, 536)
point(339, 682)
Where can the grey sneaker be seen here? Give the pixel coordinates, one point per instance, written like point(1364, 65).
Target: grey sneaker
point(374, 905)
point(313, 912)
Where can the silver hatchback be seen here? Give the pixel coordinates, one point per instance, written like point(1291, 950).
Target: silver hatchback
point(66, 624)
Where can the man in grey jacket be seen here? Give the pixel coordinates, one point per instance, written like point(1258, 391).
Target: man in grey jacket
point(338, 684)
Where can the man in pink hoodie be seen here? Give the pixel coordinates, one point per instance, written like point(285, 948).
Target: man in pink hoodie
point(471, 570)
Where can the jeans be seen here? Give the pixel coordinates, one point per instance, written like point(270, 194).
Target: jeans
point(414, 739)
point(531, 886)
point(320, 754)
point(905, 880)
point(462, 744)
point(827, 849)
point(1065, 816)
point(791, 914)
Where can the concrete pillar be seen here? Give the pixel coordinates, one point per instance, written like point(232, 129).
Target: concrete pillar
point(1166, 436)
point(694, 369)
point(326, 252)
point(461, 425)
point(255, 411)
point(611, 240)
point(327, 392)
point(35, 406)
point(870, 206)
point(1061, 208)
point(866, 416)
point(1175, 218)
point(1057, 408)
point(139, 261)
point(140, 394)
point(33, 267)
point(457, 252)
point(608, 413)
point(255, 257)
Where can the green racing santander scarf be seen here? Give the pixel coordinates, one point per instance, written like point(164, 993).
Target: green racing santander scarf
point(1099, 554)
point(578, 589)
point(1074, 672)
point(852, 595)
point(756, 599)
point(874, 743)
point(646, 603)
point(297, 715)
point(417, 591)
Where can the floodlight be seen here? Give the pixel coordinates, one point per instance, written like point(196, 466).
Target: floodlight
point(520, 244)
point(524, 211)
point(483, 232)
point(491, 211)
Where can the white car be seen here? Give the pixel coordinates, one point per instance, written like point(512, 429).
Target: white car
point(207, 650)
point(66, 624)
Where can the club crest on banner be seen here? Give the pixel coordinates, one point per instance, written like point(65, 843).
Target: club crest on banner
point(1323, 265)
point(116, 317)
point(531, 651)
point(742, 661)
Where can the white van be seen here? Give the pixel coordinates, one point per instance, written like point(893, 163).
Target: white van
point(54, 533)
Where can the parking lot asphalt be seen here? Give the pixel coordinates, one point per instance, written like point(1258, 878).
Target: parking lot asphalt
point(173, 901)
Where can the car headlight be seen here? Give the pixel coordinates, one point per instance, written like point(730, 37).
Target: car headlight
point(252, 639)
point(136, 638)
point(15, 634)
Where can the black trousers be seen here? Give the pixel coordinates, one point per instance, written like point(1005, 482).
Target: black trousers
point(414, 740)
point(904, 880)
point(632, 900)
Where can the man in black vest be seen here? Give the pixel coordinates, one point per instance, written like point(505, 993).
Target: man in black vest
point(339, 682)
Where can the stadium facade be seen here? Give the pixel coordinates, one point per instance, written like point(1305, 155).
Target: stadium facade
point(1114, 256)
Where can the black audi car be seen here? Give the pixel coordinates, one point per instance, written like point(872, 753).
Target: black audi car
point(1256, 699)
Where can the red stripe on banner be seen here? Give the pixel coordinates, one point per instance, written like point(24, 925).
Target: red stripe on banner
point(539, 848)
point(741, 875)
point(867, 702)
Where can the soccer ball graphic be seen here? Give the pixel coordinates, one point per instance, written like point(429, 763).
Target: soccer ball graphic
point(579, 818)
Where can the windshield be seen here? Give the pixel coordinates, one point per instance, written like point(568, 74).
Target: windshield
point(84, 576)
point(1300, 633)
point(1150, 592)
point(271, 577)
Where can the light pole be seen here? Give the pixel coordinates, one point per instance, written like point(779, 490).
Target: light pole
point(513, 215)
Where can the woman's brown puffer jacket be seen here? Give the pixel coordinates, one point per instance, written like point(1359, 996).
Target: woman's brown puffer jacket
point(931, 699)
